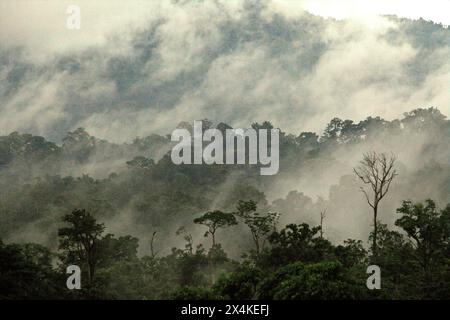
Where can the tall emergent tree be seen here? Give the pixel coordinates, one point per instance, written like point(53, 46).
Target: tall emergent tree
point(429, 230)
point(261, 225)
point(377, 171)
point(80, 240)
point(215, 220)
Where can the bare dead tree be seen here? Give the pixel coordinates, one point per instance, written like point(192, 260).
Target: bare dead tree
point(322, 217)
point(377, 171)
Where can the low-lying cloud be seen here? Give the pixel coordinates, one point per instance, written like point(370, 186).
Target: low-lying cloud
point(145, 69)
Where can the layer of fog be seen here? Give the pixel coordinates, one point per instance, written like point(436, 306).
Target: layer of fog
point(237, 63)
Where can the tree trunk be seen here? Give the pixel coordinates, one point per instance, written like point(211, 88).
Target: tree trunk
point(90, 269)
point(375, 230)
point(257, 246)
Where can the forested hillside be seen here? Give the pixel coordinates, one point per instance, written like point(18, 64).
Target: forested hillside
point(224, 231)
point(91, 94)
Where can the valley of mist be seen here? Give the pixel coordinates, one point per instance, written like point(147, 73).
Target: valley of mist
point(85, 142)
point(135, 189)
point(234, 63)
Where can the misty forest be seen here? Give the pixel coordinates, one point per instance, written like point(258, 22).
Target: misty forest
point(86, 176)
point(209, 231)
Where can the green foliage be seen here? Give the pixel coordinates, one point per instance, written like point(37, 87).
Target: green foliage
point(292, 262)
point(125, 279)
point(352, 253)
point(80, 240)
point(260, 225)
point(26, 147)
point(239, 285)
point(296, 243)
point(215, 220)
point(428, 230)
point(111, 250)
point(26, 272)
point(140, 162)
point(297, 281)
point(298, 264)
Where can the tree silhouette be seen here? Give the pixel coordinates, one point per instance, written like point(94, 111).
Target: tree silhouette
point(429, 230)
point(260, 225)
point(80, 239)
point(377, 171)
point(215, 220)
